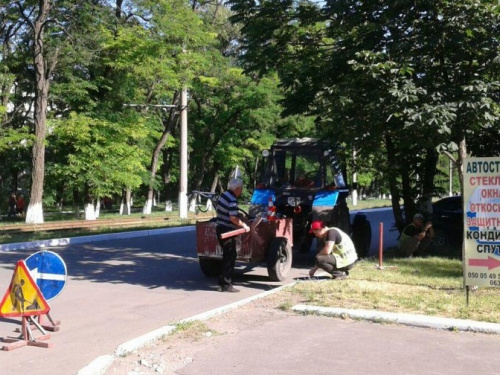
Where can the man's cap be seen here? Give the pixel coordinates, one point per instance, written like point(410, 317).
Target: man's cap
point(315, 225)
point(418, 216)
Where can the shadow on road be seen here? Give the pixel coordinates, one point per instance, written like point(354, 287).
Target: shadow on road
point(163, 261)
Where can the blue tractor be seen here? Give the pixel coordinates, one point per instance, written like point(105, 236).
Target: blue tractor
point(302, 179)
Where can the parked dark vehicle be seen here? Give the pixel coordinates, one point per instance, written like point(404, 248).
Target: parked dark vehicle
point(448, 223)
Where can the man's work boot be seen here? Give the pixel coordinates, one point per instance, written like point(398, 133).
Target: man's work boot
point(339, 275)
point(230, 289)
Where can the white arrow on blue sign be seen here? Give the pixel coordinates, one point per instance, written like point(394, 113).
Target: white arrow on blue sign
point(49, 272)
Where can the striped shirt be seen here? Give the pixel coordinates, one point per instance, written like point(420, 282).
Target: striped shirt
point(227, 206)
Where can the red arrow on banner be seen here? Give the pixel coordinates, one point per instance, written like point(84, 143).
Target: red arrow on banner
point(490, 263)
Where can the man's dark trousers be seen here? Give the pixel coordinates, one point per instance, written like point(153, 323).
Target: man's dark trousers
point(228, 256)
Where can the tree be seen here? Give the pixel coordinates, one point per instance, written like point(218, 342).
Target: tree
point(231, 117)
point(35, 18)
point(46, 28)
point(401, 76)
point(100, 156)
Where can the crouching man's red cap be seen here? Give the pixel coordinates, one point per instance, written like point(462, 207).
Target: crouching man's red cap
point(315, 225)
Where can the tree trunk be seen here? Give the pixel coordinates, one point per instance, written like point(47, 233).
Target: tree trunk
point(89, 209)
point(428, 175)
point(393, 185)
point(125, 202)
point(76, 200)
point(255, 171)
point(219, 182)
point(97, 211)
point(34, 214)
point(60, 196)
point(462, 154)
point(167, 129)
point(148, 205)
point(166, 167)
point(214, 183)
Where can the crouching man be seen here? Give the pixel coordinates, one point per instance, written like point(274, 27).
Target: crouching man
point(416, 237)
point(338, 254)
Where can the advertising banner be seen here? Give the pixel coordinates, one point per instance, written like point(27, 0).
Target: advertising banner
point(482, 221)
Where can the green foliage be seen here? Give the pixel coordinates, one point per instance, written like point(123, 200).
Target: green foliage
point(233, 111)
point(400, 77)
point(11, 139)
point(98, 153)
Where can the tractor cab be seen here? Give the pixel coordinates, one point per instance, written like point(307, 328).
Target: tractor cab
point(302, 179)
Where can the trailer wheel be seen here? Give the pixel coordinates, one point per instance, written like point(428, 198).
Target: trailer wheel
point(361, 235)
point(210, 267)
point(279, 259)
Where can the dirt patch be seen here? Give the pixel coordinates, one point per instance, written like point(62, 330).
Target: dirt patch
point(173, 352)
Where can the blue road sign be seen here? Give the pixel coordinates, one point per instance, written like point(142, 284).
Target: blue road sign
point(48, 270)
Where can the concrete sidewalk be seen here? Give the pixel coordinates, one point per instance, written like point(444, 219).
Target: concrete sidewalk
point(302, 336)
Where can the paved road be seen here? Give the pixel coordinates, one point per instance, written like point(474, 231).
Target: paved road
point(119, 290)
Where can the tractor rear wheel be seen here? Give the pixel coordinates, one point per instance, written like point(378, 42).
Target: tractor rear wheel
point(279, 259)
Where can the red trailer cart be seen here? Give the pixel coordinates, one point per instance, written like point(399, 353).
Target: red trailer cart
point(268, 242)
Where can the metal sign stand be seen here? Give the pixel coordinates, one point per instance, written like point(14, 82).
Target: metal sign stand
point(53, 325)
point(24, 299)
point(27, 337)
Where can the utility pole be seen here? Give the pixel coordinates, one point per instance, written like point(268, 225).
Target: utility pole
point(183, 201)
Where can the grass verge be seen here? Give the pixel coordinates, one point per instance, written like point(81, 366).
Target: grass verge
point(429, 286)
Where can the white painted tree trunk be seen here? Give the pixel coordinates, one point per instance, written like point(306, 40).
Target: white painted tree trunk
point(146, 210)
point(124, 208)
point(34, 215)
point(89, 211)
point(210, 205)
point(126, 202)
point(97, 208)
point(192, 205)
point(168, 206)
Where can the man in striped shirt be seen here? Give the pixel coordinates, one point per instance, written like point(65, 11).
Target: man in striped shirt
point(228, 220)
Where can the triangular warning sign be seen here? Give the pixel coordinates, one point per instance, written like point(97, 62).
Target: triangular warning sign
point(23, 297)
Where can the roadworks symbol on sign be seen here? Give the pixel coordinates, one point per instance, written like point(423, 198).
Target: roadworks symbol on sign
point(23, 298)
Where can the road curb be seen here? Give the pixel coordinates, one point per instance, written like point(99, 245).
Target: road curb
point(102, 363)
point(134, 344)
point(414, 320)
point(98, 366)
point(93, 238)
